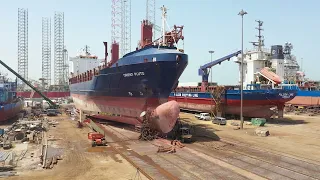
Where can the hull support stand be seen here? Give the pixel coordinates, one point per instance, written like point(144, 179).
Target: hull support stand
point(81, 116)
point(280, 112)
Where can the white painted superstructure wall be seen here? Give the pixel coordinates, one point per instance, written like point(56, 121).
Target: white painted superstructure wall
point(81, 65)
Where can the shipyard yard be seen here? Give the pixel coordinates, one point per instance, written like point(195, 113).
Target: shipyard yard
point(216, 152)
point(158, 109)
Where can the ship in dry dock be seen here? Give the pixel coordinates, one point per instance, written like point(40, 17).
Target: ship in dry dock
point(10, 103)
point(261, 86)
point(123, 89)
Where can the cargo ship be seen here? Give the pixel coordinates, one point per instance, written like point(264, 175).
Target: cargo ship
point(123, 89)
point(256, 103)
point(260, 95)
point(10, 104)
point(308, 90)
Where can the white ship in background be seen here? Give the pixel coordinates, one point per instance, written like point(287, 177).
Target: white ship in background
point(277, 68)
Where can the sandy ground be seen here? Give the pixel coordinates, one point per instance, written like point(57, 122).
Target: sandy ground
point(219, 152)
point(295, 135)
point(80, 160)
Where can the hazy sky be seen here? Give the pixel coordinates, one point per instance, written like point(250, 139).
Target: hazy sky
point(209, 25)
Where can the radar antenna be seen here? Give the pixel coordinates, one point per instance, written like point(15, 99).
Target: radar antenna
point(260, 42)
point(86, 50)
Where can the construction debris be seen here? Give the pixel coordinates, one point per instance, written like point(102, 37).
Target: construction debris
point(147, 133)
point(177, 143)
point(234, 123)
point(236, 128)
point(25, 130)
point(172, 148)
point(28, 129)
point(49, 155)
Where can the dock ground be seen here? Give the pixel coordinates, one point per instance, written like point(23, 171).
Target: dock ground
point(291, 151)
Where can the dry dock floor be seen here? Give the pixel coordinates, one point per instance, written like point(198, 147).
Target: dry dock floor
point(292, 151)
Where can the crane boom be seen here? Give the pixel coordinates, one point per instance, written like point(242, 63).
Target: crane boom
point(219, 61)
point(204, 70)
point(30, 85)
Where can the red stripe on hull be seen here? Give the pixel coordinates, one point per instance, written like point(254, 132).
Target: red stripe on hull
point(126, 106)
point(250, 108)
point(305, 100)
point(207, 101)
point(48, 94)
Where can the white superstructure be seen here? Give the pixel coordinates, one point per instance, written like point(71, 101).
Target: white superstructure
point(84, 61)
point(291, 67)
point(256, 60)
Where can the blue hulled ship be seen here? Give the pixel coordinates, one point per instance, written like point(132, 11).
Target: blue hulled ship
point(140, 80)
point(10, 104)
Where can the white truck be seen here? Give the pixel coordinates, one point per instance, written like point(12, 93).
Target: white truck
point(203, 116)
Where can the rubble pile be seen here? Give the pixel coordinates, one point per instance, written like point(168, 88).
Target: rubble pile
point(172, 148)
point(25, 130)
point(31, 129)
point(147, 133)
point(50, 156)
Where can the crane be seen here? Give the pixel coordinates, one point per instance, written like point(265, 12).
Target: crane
point(204, 70)
point(30, 85)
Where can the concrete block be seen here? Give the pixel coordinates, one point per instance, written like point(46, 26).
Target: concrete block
point(262, 132)
point(236, 128)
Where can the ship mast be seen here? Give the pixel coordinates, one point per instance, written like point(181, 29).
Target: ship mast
point(260, 42)
point(86, 50)
point(164, 16)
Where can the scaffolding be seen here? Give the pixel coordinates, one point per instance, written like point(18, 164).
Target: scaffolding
point(66, 66)
point(59, 63)
point(22, 45)
point(46, 50)
point(126, 27)
point(121, 25)
point(151, 15)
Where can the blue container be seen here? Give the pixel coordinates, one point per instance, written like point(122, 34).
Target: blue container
point(1, 131)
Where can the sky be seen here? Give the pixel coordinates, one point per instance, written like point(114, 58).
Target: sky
point(208, 25)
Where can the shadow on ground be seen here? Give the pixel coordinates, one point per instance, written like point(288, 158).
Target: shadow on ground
point(286, 121)
point(201, 132)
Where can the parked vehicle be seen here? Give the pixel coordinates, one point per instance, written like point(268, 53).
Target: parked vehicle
point(219, 120)
point(52, 112)
point(203, 116)
point(197, 116)
point(97, 139)
point(181, 132)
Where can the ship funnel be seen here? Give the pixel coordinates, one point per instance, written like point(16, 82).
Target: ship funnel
point(277, 52)
point(105, 52)
point(114, 52)
point(277, 61)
